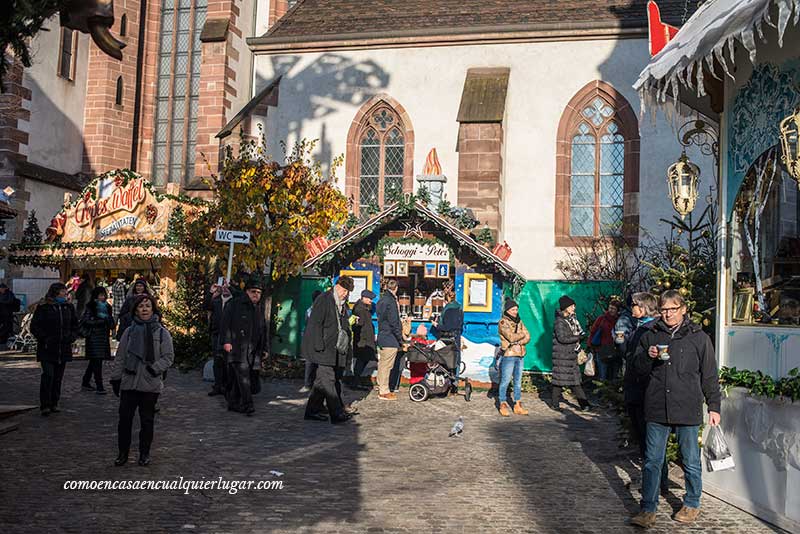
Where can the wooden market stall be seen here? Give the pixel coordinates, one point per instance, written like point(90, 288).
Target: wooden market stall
point(120, 225)
point(424, 251)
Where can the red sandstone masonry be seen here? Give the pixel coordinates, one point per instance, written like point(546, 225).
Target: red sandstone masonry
point(108, 132)
point(480, 170)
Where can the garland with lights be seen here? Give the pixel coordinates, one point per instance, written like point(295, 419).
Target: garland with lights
point(123, 177)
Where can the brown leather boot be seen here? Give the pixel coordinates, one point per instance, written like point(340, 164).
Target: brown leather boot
point(518, 409)
point(687, 515)
point(504, 411)
point(644, 519)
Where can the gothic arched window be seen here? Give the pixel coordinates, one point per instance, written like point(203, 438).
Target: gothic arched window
point(379, 155)
point(598, 167)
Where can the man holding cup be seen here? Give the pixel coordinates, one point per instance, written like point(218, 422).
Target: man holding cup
point(678, 357)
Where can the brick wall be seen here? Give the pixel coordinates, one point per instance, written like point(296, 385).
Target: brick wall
point(480, 165)
point(277, 9)
point(108, 132)
point(217, 79)
point(14, 117)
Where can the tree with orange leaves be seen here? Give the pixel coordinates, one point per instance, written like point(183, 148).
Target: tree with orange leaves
point(283, 206)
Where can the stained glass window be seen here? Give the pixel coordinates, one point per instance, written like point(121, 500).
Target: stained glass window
point(381, 158)
point(174, 139)
point(597, 173)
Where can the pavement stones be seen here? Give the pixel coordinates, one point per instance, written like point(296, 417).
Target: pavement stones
point(394, 470)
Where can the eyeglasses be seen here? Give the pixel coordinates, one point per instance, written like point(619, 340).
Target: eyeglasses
point(667, 311)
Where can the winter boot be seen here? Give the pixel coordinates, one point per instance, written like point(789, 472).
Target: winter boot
point(504, 411)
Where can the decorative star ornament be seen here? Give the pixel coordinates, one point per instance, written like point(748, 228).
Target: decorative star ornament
point(412, 231)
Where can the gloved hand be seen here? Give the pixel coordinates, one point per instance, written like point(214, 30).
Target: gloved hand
point(115, 384)
point(152, 372)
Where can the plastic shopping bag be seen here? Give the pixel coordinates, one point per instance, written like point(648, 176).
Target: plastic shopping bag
point(588, 370)
point(718, 455)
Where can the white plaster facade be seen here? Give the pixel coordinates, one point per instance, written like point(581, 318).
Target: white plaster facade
point(321, 92)
point(57, 105)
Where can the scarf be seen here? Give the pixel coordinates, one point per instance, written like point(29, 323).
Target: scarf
point(514, 320)
point(140, 343)
point(102, 309)
point(575, 326)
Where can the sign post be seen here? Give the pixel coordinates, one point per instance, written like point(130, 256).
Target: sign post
point(232, 237)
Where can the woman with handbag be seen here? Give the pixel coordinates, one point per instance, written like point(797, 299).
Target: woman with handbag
point(96, 326)
point(567, 334)
point(144, 353)
point(513, 338)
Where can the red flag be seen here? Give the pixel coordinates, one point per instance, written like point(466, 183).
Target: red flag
point(660, 33)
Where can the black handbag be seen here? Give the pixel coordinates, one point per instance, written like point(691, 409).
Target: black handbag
point(255, 382)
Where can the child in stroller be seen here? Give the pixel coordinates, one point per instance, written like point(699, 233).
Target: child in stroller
point(432, 368)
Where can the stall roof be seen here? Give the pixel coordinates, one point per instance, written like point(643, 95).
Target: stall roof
point(704, 40)
point(393, 213)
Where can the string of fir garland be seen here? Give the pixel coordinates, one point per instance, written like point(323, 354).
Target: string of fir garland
point(128, 175)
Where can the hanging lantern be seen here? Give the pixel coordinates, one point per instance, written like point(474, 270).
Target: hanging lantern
point(682, 179)
point(790, 129)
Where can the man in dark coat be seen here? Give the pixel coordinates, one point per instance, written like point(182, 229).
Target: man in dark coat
point(567, 335)
point(55, 327)
point(9, 305)
point(327, 342)
point(390, 338)
point(219, 299)
point(243, 335)
point(679, 359)
point(363, 335)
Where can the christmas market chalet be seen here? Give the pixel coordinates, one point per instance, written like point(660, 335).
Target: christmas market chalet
point(118, 226)
point(425, 251)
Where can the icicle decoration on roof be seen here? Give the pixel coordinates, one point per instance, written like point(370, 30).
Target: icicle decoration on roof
point(704, 38)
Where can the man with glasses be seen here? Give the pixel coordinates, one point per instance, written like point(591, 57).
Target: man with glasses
point(678, 358)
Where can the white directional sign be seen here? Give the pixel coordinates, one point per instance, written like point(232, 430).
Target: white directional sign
point(232, 236)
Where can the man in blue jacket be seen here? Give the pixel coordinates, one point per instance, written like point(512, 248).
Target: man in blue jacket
point(390, 338)
point(678, 357)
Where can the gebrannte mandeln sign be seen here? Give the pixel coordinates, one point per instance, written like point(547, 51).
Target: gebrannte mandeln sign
point(115, 212)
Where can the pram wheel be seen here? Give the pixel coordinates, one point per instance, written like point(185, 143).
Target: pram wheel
point(467, 390)
point(418, 392)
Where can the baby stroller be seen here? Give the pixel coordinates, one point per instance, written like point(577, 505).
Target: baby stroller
point(23, 341)
point(432, 368)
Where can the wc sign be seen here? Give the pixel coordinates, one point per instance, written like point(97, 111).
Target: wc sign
point(231, 236)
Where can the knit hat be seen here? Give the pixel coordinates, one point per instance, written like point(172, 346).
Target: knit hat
point(367, 294)
point(254, 282)
point(565, 302)
point(346, 282)
point(510, 303)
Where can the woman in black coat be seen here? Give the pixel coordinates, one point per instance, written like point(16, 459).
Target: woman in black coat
point(567, 335)
point(55, 327)
point(96, 326)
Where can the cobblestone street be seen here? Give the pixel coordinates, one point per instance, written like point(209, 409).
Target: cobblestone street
point(394, 470)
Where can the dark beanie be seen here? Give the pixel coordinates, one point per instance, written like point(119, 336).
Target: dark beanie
point(510, 303)
point(565, 302)
point(346, 282)
point(367, 294)
point(254, 282)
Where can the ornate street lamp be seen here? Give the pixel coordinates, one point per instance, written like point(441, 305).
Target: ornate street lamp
point(682, 179)
point(790, 129)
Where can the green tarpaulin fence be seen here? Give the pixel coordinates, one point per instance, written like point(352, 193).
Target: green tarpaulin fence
point(289, 304)
point(538, 302)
